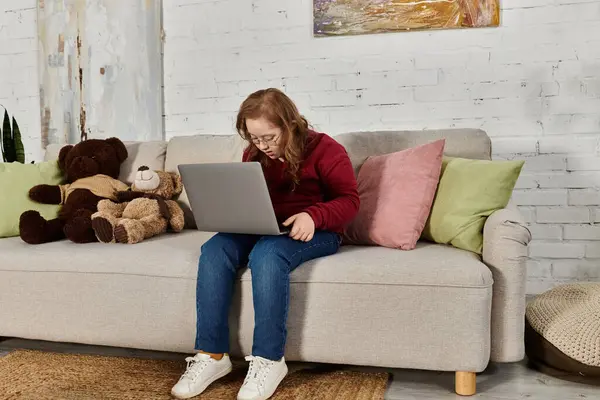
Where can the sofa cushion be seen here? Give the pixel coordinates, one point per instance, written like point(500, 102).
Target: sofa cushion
point(16, 180)
point(201, 149)
point(466, 143)
point(469, 191)
point(176, 256)
point(389, 214)
point(150, 154)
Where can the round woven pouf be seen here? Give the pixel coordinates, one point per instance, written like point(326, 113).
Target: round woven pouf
point(562, 332)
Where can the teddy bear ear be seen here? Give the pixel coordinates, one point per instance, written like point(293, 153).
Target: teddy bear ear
point(177, 184)
point(62, 157)
point(119, 147)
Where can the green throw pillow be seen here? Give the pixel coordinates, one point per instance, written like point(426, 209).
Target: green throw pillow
point(469, 191)
point(15, 181)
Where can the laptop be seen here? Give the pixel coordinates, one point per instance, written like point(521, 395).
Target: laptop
point(231, 198)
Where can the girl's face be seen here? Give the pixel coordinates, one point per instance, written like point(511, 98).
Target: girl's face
point(266, 137)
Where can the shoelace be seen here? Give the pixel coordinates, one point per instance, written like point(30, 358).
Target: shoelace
point(258, 371)
point(195, 365)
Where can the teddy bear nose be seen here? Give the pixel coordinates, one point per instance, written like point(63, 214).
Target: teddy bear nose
point(143, 168)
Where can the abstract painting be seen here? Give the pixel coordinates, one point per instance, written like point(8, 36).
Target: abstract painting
point(100, 70)
point(356, 17)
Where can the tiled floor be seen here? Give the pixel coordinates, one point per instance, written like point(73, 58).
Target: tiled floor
point(498, 382)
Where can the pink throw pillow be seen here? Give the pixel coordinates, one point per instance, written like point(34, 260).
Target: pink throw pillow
point(396, 193)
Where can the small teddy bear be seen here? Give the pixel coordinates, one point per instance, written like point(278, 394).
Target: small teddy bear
point(142, 212)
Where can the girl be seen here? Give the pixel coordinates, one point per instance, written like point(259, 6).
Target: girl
point(313, 189)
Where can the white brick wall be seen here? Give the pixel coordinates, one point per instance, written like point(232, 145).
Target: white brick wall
point(18, 70)
point(533, 84)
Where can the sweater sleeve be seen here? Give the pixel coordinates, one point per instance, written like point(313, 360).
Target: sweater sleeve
point(341, 192)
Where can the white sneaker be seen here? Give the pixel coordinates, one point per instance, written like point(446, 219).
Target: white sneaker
point(263, 378)
point(202, 370)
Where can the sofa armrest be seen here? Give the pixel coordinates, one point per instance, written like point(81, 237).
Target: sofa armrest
point(505, 240)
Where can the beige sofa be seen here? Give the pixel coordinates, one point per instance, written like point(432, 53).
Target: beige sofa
point(434, 308)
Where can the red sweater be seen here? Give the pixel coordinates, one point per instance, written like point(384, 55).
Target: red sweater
point(327, 189)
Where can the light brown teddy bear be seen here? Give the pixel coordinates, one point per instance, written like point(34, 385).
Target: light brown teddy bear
point(143, 212)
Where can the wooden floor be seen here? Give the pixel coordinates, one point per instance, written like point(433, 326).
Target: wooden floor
point(498, 382)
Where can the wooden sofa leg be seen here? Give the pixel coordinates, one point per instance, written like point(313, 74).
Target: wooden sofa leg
point(465, 383)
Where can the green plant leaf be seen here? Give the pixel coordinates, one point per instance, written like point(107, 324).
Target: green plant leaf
point(7, 140)
point(19, 148)
point(2, 146)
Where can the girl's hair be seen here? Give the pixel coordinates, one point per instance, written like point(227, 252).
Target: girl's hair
point(275, 106)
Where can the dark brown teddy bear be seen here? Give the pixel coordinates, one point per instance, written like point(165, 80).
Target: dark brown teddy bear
point(91, 169)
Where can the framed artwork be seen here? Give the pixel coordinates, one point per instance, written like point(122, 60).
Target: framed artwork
point(100, 70)
point(357, 17)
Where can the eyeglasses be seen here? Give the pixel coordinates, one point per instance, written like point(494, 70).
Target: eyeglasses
point(267, 140)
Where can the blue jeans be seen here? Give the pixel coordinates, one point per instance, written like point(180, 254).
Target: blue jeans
point(271, 259)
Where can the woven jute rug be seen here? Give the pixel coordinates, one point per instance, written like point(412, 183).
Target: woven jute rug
point(35, 375)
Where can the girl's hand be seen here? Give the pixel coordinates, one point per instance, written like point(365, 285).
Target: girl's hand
point(303, 227)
